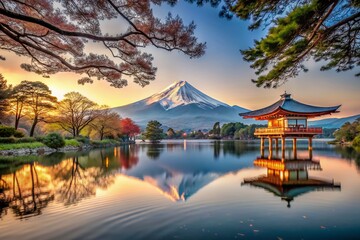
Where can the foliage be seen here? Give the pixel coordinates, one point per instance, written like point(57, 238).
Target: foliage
point(26, 140)
point(54, 34)
point(18, 134)
point(356, 141)
point(75, 112)
point(4, 96)
point(104, 142)
point(153, 131)
point(197, 134)
point(348, 131)
point(228, 129)
point(82, 139)
point(17, 140)
point(215, 131)
point(7, 140)
point(72, 142)
point(129, 128)
point(247, 132)
point(107, 123)
point(39, 138)
point(30, 145)
point(38, 102)
point(32, 99)
point(326, 30)
point(18, 99)
point(54, 140)
point(170, 133)
point(6, 131)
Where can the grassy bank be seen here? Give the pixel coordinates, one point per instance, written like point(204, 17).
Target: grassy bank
point(74, 143)
point(11, 146)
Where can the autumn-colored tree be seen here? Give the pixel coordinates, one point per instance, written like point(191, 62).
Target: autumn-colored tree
point(4, 96)
point(38, 102)
point(53, 34)
point(129, 128)
point(75, 112)
point(107, 123)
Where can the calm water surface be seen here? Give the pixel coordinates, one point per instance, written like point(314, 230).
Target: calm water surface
point(183, 190)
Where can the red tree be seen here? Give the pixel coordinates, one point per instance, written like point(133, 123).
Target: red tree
point(129, 128)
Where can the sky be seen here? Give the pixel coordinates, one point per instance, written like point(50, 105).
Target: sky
point(220, 73)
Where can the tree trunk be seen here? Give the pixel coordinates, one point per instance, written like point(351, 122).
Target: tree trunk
point(16, 122)
point(32, 130)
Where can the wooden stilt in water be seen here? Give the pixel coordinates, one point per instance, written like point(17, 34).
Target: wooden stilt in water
point(294, 148)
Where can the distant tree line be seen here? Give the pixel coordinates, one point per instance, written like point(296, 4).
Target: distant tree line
point(232, 130)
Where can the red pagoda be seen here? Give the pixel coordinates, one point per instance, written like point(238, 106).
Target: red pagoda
point(287, 118)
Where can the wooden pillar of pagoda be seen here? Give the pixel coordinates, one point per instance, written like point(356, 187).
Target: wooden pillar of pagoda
point(270, 147)
point(310, 147)
point(283, 147)
point(294, 148)
point(262, 146)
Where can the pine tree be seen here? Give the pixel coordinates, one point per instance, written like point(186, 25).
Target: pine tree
point(153, 131)
point(325, 30)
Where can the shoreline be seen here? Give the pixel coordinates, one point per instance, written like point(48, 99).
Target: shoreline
point(47, 150)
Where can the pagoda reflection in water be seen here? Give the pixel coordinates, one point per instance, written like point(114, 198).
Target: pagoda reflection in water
point(290, 178)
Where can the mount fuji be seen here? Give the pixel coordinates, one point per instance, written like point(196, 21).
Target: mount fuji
point(182, 106)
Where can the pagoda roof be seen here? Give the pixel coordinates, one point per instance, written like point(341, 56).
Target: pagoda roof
point(288, 106)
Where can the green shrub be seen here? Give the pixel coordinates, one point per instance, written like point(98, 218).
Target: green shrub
point(39, 138)
point(54, 140)
point(83, 139)
point(7, 140)
point(18, 134)
point(26, 140)
point(6, 131)
point(72, 142)
point(356, 141)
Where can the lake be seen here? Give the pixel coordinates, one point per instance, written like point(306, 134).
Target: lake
point(182, 190)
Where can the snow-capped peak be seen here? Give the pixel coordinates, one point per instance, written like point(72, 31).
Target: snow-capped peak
point(182, 93)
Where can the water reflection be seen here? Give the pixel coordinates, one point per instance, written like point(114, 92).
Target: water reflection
point(289, 178)
point(350, 154)
point(178, 170)
point(26, 192)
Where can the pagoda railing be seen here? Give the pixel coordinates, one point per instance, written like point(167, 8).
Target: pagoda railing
point(289, 130)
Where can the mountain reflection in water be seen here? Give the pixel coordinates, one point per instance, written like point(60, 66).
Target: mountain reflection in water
point(182, 190)
point(71, 177)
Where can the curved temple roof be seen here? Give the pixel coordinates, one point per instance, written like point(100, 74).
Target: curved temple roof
point(288, 106)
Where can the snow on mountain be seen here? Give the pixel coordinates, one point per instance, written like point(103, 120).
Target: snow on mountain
point(182, 93)
point(182, 106)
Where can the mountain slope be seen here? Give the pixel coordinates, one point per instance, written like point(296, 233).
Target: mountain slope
point(181, 94)
point(333, 122)
point(182, 106)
